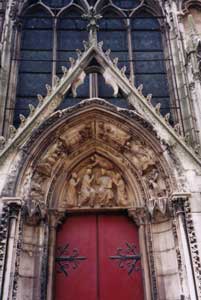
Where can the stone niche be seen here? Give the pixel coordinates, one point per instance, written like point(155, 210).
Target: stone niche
point(96, 182)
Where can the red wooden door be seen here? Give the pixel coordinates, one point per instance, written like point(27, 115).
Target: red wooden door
point(97, 258)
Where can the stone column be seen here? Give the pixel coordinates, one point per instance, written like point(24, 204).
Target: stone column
point(140, 217)
point(178, 201)
point(55, 218)
point(14, 205)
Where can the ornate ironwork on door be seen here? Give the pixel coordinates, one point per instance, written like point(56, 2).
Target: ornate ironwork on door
point(128, 258)
point(65, 261)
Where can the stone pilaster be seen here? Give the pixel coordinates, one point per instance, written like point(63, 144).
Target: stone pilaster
point(178, 204)
point(13, 209)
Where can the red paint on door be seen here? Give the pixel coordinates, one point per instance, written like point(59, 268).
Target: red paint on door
point(100, 274)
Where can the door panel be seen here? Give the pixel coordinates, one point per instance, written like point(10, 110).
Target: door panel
point(117, 279)
point(98, 262)
point(81, 281)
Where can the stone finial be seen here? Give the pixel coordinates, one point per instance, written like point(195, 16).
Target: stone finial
point(92, 27)
point(56, 81)
point(22, 120)
point(115, 61)
point(107, 53)
point(79, 53)
point(72, 62)
point(149, 98)
point(187, 138)
point(64, 70)
point(100, 45)
point(12, 131)
point(31, 109)
point(86, 45)
point(177, 128)
point(157, 108)
point(49, 89)
point(197, 149)
point(123, 71)
point(40, 99)
point(2, 142)
point(167, 118)
point(140, 88)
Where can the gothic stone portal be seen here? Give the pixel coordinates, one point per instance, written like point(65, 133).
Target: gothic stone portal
point(98, 258)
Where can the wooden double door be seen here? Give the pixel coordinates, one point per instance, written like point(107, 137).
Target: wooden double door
point(97, 258)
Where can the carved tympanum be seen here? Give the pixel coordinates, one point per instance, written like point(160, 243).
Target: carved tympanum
point(97, 183)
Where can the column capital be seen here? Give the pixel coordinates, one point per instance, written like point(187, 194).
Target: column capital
point(56, 217)
point(139, 215)
point(14, 204)
point(178, 200)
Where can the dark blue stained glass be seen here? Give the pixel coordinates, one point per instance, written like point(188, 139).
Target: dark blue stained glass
point(30, 84)
point(37, 39)
point(72, 20)
point(144, 21)
point(114, 40)
point(83, 90)
point(103, 89)
point(106, 92)
point(112, 21)
point(35, 61)
point(146, 40)
point(22, 107)
point(63, 59)
point(37, 17)
point(119, 101)
point(69, 101)
point(69, 40)
point(148, 56)
point(56, 3)
point(71, 32)
point(127, 4)
point(156, 84)
point(148, 62)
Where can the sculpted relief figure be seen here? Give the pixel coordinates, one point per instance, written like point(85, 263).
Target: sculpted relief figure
point(141, 156)
point(105, 192)
point(96, 185)
point(157, 186)
point(121, 191)
point(110, 132)
point(87, 192)
point(50, 158)
point(72, 190)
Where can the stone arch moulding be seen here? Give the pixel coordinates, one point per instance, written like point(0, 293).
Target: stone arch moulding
point(105, 143)
point(88, 157)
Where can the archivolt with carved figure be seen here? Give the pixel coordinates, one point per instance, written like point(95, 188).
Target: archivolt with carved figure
point(98, 160)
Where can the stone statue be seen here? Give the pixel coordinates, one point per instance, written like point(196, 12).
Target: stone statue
point(156, 183)
point(87, 192)
point(72, 191)
point(121, 191)
point(105, 192)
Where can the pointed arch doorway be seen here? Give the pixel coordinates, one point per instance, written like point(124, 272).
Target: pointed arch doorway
point(98, 258)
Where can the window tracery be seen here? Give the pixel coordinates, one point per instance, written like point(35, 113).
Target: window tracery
point(127, 28)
